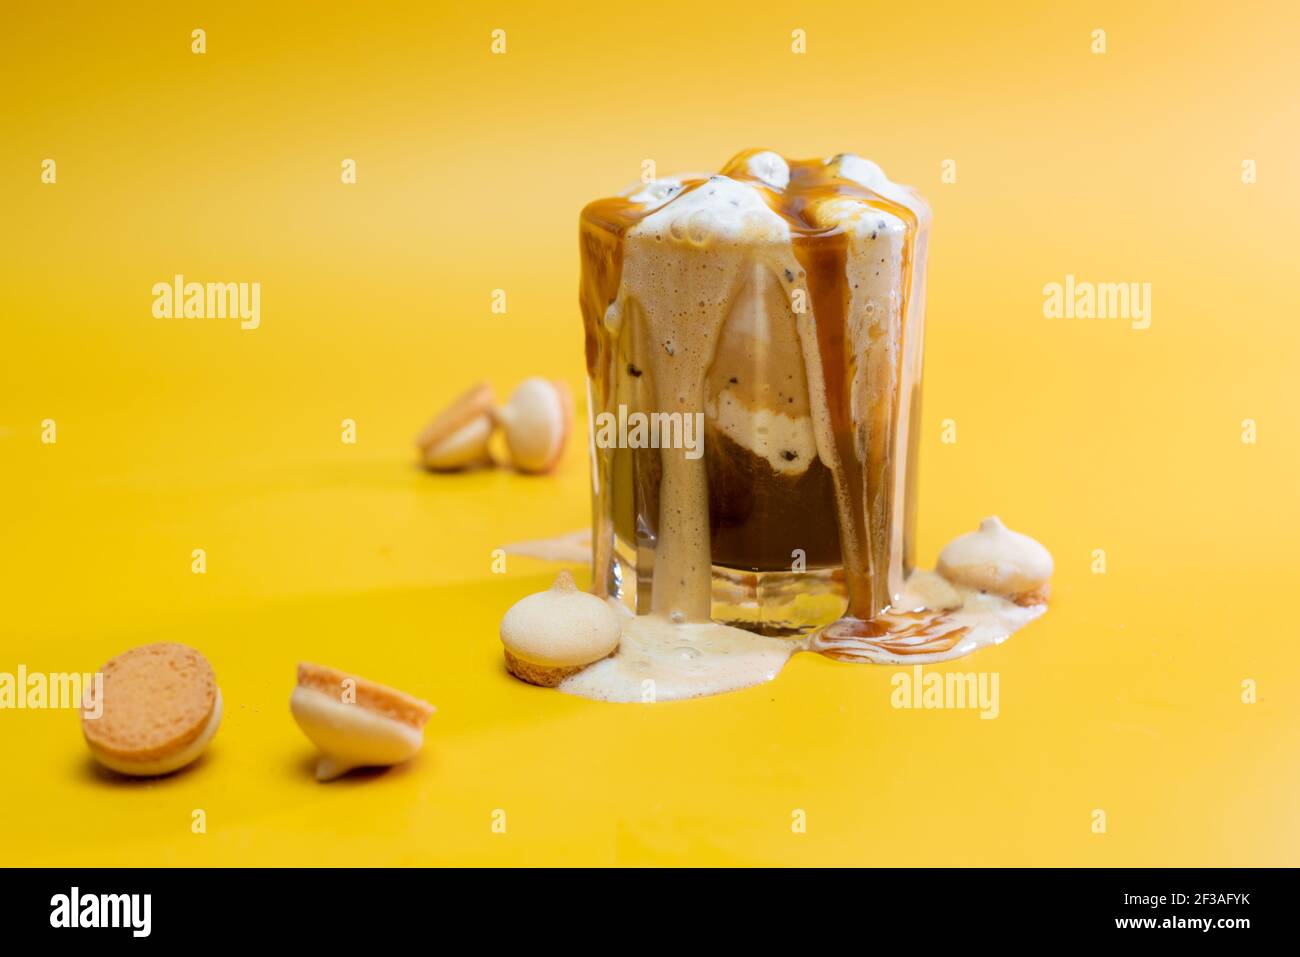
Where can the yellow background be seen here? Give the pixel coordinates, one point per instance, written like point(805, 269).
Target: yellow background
point(183, 434)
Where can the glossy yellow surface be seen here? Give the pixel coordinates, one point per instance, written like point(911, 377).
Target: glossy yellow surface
point(175, 435)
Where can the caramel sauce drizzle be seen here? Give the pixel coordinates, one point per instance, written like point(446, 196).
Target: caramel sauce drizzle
point(907, 633)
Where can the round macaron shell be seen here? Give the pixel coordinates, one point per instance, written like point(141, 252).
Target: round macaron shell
point(158, 700)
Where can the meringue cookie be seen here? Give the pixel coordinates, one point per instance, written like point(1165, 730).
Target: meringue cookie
point(556, 633)
point(998, 560)
point(537, 419)
point(354, 722)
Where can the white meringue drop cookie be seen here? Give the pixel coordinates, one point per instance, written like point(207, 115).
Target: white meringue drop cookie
point(537, 420)
point(553, 634)
point(996, 559)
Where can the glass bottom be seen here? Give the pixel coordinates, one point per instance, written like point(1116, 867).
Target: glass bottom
point(782, 604)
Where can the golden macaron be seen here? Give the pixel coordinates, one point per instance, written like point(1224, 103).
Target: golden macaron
point(160, 708)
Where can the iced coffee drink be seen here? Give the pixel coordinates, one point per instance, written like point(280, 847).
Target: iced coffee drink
point(753, 343)
point(780, 305)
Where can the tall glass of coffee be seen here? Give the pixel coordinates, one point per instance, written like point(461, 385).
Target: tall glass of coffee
point(753, 347)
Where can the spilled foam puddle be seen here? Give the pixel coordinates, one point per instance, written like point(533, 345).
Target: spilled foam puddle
point(658, 660)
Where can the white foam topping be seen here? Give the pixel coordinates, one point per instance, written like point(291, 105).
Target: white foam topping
point(866, 173)
point(720, 208)
point(770, 167)
point(728, 202)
